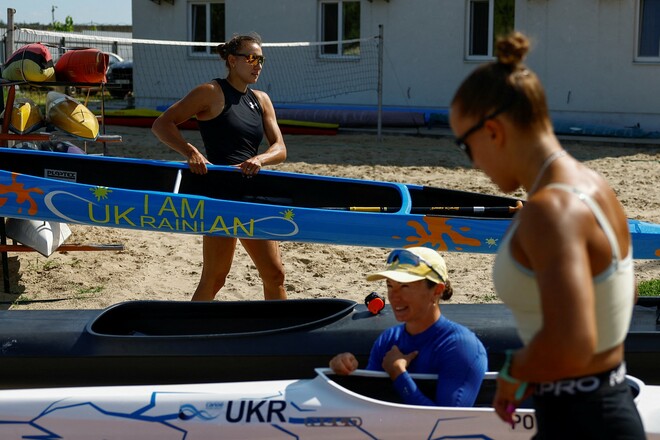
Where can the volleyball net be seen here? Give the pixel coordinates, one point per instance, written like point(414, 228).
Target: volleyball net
point(294, 73)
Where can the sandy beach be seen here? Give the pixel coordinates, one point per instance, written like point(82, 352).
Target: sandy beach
point(156, 265)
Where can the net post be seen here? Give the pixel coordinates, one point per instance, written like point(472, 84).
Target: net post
point(379, 136)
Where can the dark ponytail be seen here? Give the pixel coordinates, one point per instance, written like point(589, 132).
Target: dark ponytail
point(447, 293)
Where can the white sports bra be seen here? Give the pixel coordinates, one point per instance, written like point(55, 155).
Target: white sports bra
point(614, 287)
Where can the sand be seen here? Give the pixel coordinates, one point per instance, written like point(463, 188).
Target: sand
point(157, 265)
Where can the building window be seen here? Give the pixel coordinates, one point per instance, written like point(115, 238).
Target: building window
point(486, 20)
point(340, 21)
point(649, 29)
point(207, 24)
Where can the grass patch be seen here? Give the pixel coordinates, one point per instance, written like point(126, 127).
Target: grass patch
point(649, 288)
point(38, 96)
point(484, 299)
point(89, 291)
point(22, 299)
point(38, 266)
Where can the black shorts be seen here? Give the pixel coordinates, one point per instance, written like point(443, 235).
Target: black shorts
point(599, 407)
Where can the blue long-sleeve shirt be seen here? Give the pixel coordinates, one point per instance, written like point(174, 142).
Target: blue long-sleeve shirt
point(447, 349)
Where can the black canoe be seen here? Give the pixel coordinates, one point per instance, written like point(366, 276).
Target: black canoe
point(164, 342)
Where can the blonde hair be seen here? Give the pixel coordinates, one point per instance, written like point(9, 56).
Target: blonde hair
point(506, 85)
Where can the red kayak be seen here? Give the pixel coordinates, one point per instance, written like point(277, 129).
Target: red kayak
point(31, 62)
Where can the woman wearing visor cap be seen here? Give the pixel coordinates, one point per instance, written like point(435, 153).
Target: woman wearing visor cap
point(233, 120)
point(426, 342)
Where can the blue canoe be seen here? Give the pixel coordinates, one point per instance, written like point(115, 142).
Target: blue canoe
point(165, 196)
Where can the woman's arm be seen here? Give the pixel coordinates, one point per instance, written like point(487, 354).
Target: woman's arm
point(197, 103)
point(276, 151)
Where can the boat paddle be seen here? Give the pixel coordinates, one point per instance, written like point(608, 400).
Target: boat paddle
point(434, 209)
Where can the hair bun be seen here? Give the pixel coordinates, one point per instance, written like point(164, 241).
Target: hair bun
point(511, 49)
point(222, 50)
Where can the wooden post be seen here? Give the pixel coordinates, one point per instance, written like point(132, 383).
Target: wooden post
point(5, 260)
point(9, 40)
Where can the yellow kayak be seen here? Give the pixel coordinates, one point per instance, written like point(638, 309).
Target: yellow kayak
point(70, 116)
point(25, 116)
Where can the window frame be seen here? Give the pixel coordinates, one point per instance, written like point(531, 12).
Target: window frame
point(340, 30)
point(497, 22)
point(638, 37)
point(469, 30)
point(210, 50)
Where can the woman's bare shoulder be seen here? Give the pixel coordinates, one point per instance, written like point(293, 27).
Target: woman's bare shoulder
point(208, 87)
point(263, 98)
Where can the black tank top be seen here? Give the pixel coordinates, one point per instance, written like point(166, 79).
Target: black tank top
point(235, 134)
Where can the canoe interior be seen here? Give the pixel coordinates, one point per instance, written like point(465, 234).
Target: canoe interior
point(268, 187)
point(223, 183)
point(422, 196)
point(233, 318)
point(381, 388)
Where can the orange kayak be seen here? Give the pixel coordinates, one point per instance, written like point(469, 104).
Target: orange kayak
point(82, 65)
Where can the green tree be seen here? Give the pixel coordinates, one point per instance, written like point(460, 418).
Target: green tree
point(66, 27)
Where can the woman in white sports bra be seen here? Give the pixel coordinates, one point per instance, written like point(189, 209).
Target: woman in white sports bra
point(565, 266)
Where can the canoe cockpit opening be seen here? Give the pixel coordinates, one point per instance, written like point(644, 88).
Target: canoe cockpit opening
point(445, 202)
point(226, 318)
point(301, 191)
point(380, 388)
point(651, 301)
point(635, 385)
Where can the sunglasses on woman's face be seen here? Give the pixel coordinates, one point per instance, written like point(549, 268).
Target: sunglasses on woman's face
point(402, 256)
point(252, 58)
point(461, 142)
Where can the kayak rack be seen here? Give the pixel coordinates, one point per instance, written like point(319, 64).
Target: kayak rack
point(5, 135)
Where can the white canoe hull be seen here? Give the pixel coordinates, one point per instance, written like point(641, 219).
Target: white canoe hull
point(311, 408)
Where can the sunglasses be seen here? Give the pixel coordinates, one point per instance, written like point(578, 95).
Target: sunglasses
point(402, 256)
point(461, 142)
point(252, 59)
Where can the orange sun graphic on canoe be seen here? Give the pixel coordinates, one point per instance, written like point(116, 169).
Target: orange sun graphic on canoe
point(22, 194)
point(437, 230)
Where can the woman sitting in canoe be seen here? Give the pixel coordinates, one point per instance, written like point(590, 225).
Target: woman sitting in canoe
point(426, 342)
point(232, 120)
point(564, 267)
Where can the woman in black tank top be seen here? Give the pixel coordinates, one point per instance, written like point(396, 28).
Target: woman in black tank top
point(233, 120)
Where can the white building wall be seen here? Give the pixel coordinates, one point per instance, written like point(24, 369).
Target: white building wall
point(583, 50)
point(584, 54)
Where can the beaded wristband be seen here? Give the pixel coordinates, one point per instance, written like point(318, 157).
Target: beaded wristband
point(504, 375)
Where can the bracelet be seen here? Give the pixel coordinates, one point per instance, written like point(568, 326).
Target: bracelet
point(504, 375)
